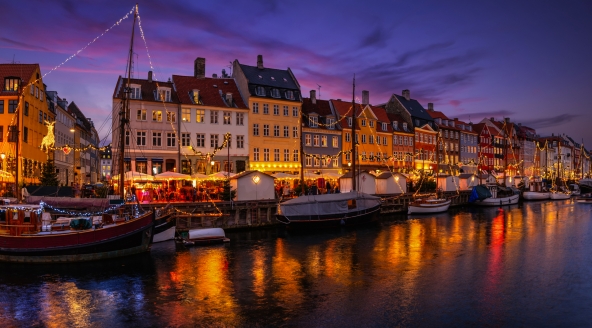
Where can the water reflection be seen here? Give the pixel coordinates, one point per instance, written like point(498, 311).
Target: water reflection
point(474, 266)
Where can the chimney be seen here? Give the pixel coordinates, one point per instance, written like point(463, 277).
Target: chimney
point(407, 94)
point(365, 97)
point(215, 76)
point(149, 76)
point(199, 68)
point(260, 61)
point(507, 120)
point(431, 107)
point(229, 98)
point(491, 119)
point(313, 97)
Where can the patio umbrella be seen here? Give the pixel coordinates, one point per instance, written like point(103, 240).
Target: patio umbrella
point(308, 175)
point(172, 176)
point(199, 176)
point(331, 175)
point(130, 175)
point(220, 175)
point(282, 175)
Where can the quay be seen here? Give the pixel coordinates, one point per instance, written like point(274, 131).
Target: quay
point(251, 214)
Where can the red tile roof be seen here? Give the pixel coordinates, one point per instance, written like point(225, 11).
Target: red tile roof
point(437, 114)
point(209, 90)
point(147, 89)
point(322, 107)
point(380, 114)
point(23, 71)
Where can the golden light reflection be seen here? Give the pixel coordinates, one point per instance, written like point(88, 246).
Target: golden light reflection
point(65, 305)
point(287, 273)
point(259, 272)
point(338, 260)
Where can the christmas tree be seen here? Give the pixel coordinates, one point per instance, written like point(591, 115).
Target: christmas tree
point(49, 176)
point(227, 192)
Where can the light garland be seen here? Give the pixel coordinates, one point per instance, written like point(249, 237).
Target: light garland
point(44, 205)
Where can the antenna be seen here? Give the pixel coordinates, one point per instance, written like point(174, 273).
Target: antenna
point(319, 87)
point(230, 67)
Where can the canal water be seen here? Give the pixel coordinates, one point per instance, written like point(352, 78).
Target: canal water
point(521, 265)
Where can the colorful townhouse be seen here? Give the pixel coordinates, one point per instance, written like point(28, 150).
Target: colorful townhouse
point(469, 143)
point(448, 141)
point(344, 112)
point(275, 103)
point(403, 140)
point(211, 109)
point(530, 161)
point(321, 136)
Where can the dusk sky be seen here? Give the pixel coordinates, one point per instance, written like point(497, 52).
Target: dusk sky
point(527, 60)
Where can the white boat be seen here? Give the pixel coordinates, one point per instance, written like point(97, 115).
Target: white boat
point(434, 205)
point(205, 236)
point(329, 210)
point(584, 199)
point(560, 195)
point(536, 195)
point(497, 196)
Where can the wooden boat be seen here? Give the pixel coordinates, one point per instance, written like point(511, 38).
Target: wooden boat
point(164, 225)
point(329, 210)
point(205, 236)
point(560, 195)
point(429, 205)
point(498, 196)
point(27, 234)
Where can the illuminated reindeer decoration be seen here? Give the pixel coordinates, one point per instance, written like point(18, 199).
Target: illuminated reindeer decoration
point(49, 140)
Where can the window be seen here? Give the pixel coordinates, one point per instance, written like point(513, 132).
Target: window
point(295, 111)
point(213, 117)
point(295, 132)
point(266, 130)
point(265, 108)
point(255, 154)
point(200, 115)
point(324, 141)
point(275, 93)
point(295, 159)
point(12, 104)
point(266, 154)
point(141, 115)
point(371, 139)
point(213, 140)
point(157, 116)
point(164, 94)
point(286, 131)
point(384, 142)
point(127, 138)
point(255, 108)
point(316, 140)
point(185, 114)
point(371, 123)
point(276, 130)
point(363, 138)
point(313, 121)
point(185, 139)
point(378, 140)
point(290, 95)
point(363, 122)
point(141, 138)
point(330, 123)
point(317, 162)
point(308, 161)
point(276, 110)
point(1, 133)
point(335, 142)
point(229, 144)
point(201, 140)
point(12, 84)
point(240, 119)
point(286, 155)
point(256, 129)
point(171, 137)
point(227, 117)
point(349, 121)
point(240, 142)
point(405, 126)
point(276, 155)
point(286, 111)
point(26, 112)
point(1, 106)
point(260, 91)
point(307, 139)
point(335, 163)
point(156, 139)
point(185, 166)
point(25, 134)
point(384, 127)
point(195, 96)
point(135, 93)
point(347, 137)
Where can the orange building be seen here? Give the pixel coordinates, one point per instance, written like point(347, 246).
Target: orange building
point(402, 159)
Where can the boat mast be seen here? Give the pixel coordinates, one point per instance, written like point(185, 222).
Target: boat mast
point(353, 150)
point(123, 114)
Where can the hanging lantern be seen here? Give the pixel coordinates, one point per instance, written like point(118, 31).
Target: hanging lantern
point(66, 150)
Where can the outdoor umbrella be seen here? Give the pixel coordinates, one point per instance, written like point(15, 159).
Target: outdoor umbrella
point(172, 176)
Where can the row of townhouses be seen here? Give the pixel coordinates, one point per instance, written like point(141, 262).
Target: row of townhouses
point(26, 108)
point(182, 125)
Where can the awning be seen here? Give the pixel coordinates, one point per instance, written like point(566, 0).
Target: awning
point(141, 159)
point(157, 160)
point(127, 159)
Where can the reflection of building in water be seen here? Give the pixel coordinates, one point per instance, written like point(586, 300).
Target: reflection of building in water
point(65, 305)
point(287, 274)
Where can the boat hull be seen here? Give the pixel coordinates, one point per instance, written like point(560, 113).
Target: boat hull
point(331, 221)
point(498, 201)
point(428, 208)
point(584, 200)
point(560, 196)
point(164, 228)
point(535, 195)
point(131, 237)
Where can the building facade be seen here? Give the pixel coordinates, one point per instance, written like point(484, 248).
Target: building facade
point(64, 138)
point(106, 162)
point(403, 144)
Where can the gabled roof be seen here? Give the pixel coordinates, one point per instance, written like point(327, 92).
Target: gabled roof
point(270, 77)
point(381, 116)
point(437, 114)
point(413, 107)
point(322, 107)
point(343, 108)
point(245, 173)
point(147, 89)
point(23, 71)
point(212, 91)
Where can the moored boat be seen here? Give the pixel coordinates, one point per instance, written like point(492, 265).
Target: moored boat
point(27, 234)
point(584, 199)
point(535, 195)
point(205, 236)
point(560, 195)
point(494, 195)
point(429, 205)
point(329, 210)
point(164, 225)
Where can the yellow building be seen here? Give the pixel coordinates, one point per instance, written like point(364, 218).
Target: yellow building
point(274, 101)
point(30, 110)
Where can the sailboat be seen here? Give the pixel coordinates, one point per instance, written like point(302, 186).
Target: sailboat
point(536, 189)
point(330, 210)
point(30, 235)
point(559, 191)
point(430, 204)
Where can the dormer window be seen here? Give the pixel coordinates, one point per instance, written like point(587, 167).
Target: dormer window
point(439, 120)
point(445, 122)
point(384, 127)
point(11, 84)
point(273, 78)
point(313, 121)
point(349, 121)
point(260, 91)
point(195, 97)
point(395, 125)
point(405, 126)
point(275, 93)
point(330, 123)
point(163, 94)
point(135, 91)
point(290, 95)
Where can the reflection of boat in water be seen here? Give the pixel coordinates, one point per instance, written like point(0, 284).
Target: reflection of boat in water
point(329, 210)
point(205, 236)
point(585, 199)
point(429, 205)
point(494, 195)
point(29, 235)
